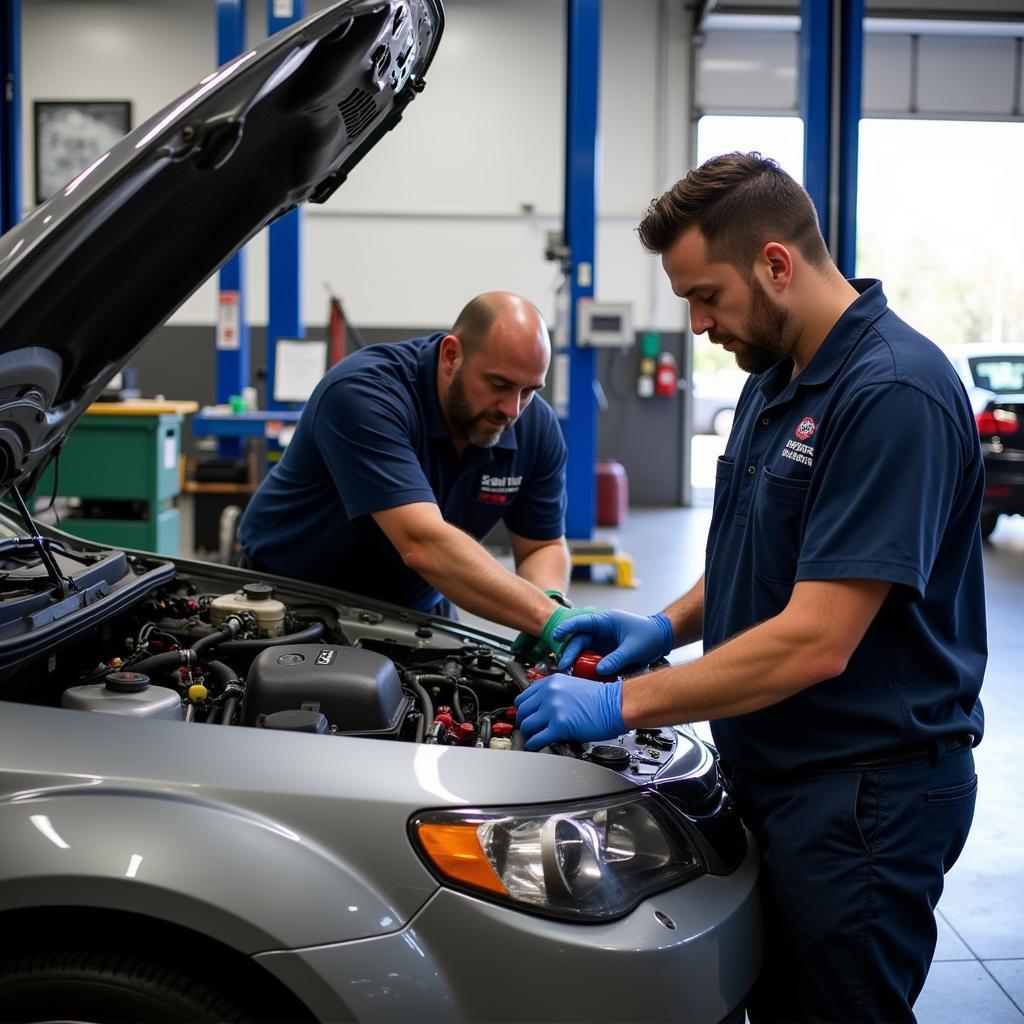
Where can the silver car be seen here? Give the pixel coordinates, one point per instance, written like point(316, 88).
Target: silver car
point(230, 797)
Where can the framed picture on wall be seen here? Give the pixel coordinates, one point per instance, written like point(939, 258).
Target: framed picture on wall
point(70, 135)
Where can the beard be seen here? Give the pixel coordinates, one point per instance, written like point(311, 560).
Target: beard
point(475, 427)
point(764, 343)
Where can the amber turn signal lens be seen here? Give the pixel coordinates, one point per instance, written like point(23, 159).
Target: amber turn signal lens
point(455, 851)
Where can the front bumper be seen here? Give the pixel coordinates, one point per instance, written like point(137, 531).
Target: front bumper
point(464, 959)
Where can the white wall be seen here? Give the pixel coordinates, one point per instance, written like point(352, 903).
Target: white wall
point(458, 199)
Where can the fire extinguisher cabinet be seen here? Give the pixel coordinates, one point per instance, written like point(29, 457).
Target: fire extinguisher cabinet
point(612, 493)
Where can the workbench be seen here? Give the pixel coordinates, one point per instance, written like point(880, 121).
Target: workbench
point(121, 461)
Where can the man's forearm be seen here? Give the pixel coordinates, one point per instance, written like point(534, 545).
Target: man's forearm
point(810, 640)
point(547, 567)
point(687, 615)
point(469, 576)
point(766, 664)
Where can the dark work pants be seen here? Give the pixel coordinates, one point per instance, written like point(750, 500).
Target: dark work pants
point(852, 866)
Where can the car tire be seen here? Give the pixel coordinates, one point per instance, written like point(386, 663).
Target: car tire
point(988, 523)
point(109, 987)
point(721, 422)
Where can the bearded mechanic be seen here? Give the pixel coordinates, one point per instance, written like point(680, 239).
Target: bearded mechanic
point(842, 607)
point(406, 456)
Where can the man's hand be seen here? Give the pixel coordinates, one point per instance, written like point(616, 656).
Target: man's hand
point(632, 639)
point(538, 647)
point(560, 707)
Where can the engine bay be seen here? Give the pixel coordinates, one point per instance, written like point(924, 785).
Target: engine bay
point(195, 651)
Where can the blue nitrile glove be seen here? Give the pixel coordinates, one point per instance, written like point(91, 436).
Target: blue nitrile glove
point(560, 707)
point(632, 639)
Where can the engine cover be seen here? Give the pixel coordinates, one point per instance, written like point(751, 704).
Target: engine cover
point(358, 691)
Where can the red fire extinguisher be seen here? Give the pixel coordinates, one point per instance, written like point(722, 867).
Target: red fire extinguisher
point(667, 376)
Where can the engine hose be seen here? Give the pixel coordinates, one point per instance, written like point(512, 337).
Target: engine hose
point(430, 678)
point(518, 673)
point(213, 639)
point(484, 733)
point(157, 663)
point(221, 673)
point(230, 707)
point(212, 716)
point(426, 708)
point(250, 648)
point(518, 740)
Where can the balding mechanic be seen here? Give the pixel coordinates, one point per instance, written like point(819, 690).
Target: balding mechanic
point(406, 456)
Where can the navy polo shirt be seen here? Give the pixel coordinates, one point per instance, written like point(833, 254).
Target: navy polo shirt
point(371, 438)
point(867, 466)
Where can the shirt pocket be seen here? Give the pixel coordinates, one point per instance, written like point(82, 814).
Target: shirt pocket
point(776, 527)
point(723, 478)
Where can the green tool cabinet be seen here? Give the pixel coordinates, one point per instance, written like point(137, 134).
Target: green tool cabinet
point(121, 460)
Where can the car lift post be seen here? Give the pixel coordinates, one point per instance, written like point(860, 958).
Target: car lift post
point(583, 73)
point(284, 318)
point(233, 368)
point(831, 65)
point(10, 114)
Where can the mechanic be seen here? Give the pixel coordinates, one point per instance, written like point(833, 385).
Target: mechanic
point(407, 454)
point(842, 607)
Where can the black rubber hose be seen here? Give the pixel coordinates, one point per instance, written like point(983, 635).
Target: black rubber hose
point(484, 736)
point(518, 740)
point(157, 663)
point(250, 648)
point(221, 673)
point(426, 708)
point(518, 673)
point(212, 640)
point(230, 707)
point(430, 678)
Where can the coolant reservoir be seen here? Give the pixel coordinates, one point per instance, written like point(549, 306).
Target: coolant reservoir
point(257, 598)
point(125, 693)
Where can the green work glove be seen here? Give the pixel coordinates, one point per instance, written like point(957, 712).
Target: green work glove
point(546, 644)
point(527, 642)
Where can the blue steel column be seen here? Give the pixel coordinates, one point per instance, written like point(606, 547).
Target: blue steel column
point(233, 371)
point(10, 114)
point(583, 41)
point(831, 60)
point(851, 47)
point(285, 243)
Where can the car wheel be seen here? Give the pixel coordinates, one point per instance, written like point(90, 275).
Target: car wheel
point(721, 422)
point(988, 523)
point(108, 987)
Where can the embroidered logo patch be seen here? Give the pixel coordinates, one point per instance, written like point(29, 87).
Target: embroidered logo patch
point(498, 490)
point(805, 428)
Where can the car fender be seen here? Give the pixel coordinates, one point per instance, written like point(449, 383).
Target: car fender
point(235, 876)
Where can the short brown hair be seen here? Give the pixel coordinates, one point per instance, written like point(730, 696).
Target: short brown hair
point(738, 201)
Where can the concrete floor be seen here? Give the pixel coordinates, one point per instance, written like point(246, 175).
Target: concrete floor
point(978, 973)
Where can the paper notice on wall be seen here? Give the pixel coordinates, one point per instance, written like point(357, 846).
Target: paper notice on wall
point(284, 8)
point(170, 452)
point(298, 366)
point(228, 321)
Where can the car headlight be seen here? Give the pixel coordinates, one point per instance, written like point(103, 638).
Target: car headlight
point(591, 861)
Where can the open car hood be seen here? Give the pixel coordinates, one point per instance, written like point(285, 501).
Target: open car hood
point(91, 273)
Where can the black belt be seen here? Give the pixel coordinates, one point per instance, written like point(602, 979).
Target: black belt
point(933, 748)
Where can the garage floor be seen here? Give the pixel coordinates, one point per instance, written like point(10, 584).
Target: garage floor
point(978, 974)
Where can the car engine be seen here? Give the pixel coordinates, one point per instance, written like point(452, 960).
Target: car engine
point(246, 658)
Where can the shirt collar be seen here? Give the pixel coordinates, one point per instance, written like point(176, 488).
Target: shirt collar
point(838, 344)
point(426, 382)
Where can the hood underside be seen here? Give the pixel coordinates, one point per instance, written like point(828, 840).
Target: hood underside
point(91, 273)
